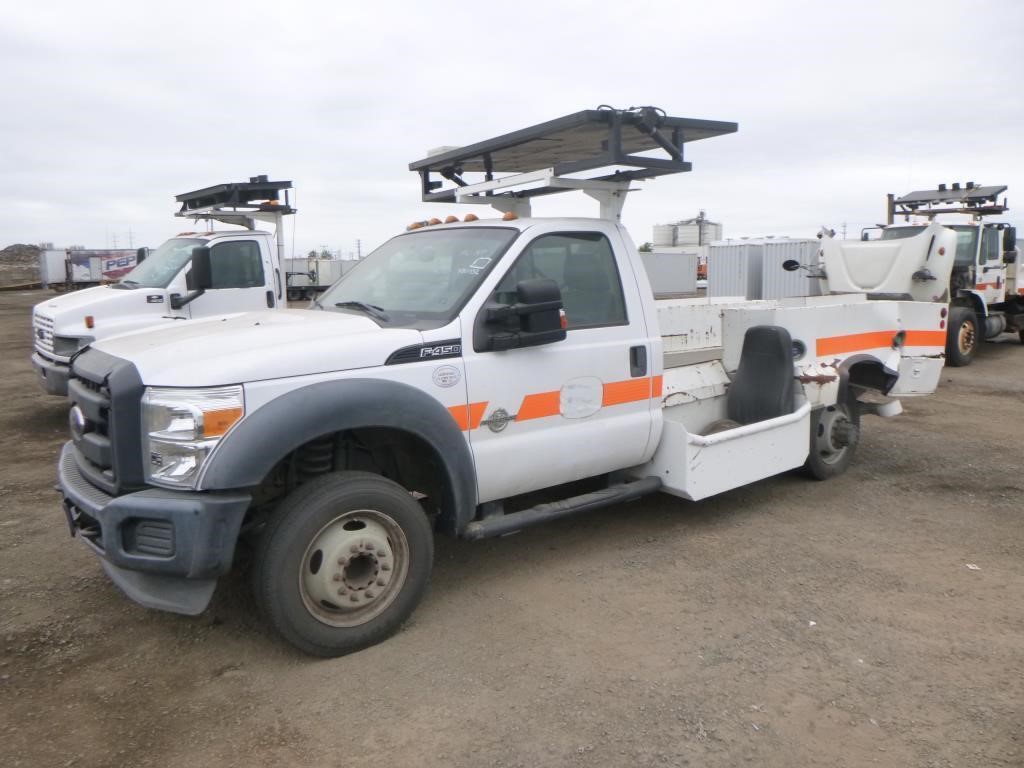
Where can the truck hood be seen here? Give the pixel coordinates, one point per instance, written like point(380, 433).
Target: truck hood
point(100, 302)
point(257, 345)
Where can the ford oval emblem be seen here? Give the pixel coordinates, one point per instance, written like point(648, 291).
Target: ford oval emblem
point(77, 421)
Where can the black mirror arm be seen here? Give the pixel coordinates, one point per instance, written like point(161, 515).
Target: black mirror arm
point(178, 301)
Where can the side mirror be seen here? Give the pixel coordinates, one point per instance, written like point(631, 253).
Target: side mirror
point(864, 235)
point(534, 319)
point(141, 254)
point(1010, 257)
point(791, 265)
point(200, 276)
point(1010, 239)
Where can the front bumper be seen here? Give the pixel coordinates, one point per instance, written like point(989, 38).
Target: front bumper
point(164, 549)
point(53, 376)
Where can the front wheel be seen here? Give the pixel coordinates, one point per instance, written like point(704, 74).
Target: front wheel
point(964, 336)
point(835, 433)
point(343, 562)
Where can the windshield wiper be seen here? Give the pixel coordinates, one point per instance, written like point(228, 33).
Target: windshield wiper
point(125, 285)
point(371, 309)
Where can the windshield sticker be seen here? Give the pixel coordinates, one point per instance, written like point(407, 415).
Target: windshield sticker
point(480, 263)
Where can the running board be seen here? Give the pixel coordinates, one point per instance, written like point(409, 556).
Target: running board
point(499, 525)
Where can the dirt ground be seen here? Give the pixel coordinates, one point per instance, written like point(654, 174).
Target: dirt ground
point(875, 619)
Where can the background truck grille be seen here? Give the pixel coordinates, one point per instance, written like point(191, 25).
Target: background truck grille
point(42, 332)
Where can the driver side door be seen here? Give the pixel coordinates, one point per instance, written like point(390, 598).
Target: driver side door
point(570, 409)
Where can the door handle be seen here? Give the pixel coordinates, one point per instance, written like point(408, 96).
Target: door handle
point(637, 361)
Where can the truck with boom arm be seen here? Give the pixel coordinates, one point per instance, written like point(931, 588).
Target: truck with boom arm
point(471, 377)
point(985, 289)
point(244, 268)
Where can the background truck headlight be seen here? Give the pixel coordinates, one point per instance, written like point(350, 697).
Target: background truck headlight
point(182, 426)
point(66, 346)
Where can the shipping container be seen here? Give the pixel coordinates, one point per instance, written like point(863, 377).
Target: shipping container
point(777, 283)
point(753, 268)
point(671, 274)
point(734, 268)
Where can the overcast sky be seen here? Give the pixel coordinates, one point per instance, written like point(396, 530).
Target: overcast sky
point(111, 108)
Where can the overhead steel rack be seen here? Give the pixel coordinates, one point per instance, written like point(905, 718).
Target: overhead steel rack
point(613, 144)
point(970, 199)
point(241, 203)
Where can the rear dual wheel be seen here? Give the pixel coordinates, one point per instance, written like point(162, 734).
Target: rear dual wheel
point(835, 434)
point(343, 562)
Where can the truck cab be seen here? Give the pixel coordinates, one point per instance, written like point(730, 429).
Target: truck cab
point(245, 275)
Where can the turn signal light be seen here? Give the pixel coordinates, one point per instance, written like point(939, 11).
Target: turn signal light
point(415, 225)
point(90, 321)
point(509, 216)
point(471, 217)
point(432, 222)
point(450, 219)
point(944, 312)
point(942, 250)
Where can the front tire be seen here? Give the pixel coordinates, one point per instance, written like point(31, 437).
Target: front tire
point(343, 562)
point(835, 434)
point(964, 336)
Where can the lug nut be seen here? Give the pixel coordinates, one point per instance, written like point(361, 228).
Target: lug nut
point(370, 594)
point(337, 577)
point(380, 582)
point(369, 546)
point(354, 548)
point(385, 567)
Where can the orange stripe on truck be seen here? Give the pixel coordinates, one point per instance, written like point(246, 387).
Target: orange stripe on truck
point(629, 391)
point(539, 405)
point(925, 339)
point(858, 342)
point(468, 416)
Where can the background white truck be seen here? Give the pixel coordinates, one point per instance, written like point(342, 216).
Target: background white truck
point(986, 290)
point(244, 269)
point(473, 377)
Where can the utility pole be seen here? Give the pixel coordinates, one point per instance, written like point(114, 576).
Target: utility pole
point(359, 248)
point(131, 238)
point(844, 230)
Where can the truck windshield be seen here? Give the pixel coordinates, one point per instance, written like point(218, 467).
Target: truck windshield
point(422, 279)
point(966, 240)
point(161, 265)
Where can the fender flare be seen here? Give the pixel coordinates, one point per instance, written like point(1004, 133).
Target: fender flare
point(261, 439)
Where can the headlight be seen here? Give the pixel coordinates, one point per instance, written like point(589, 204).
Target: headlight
point(66, 346)
point(182, 427)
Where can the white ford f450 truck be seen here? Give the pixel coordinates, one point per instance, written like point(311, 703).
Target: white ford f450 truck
point(244, 267)
point(455, 375)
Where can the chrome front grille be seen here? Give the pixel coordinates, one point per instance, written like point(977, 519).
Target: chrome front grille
point(42, 332)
